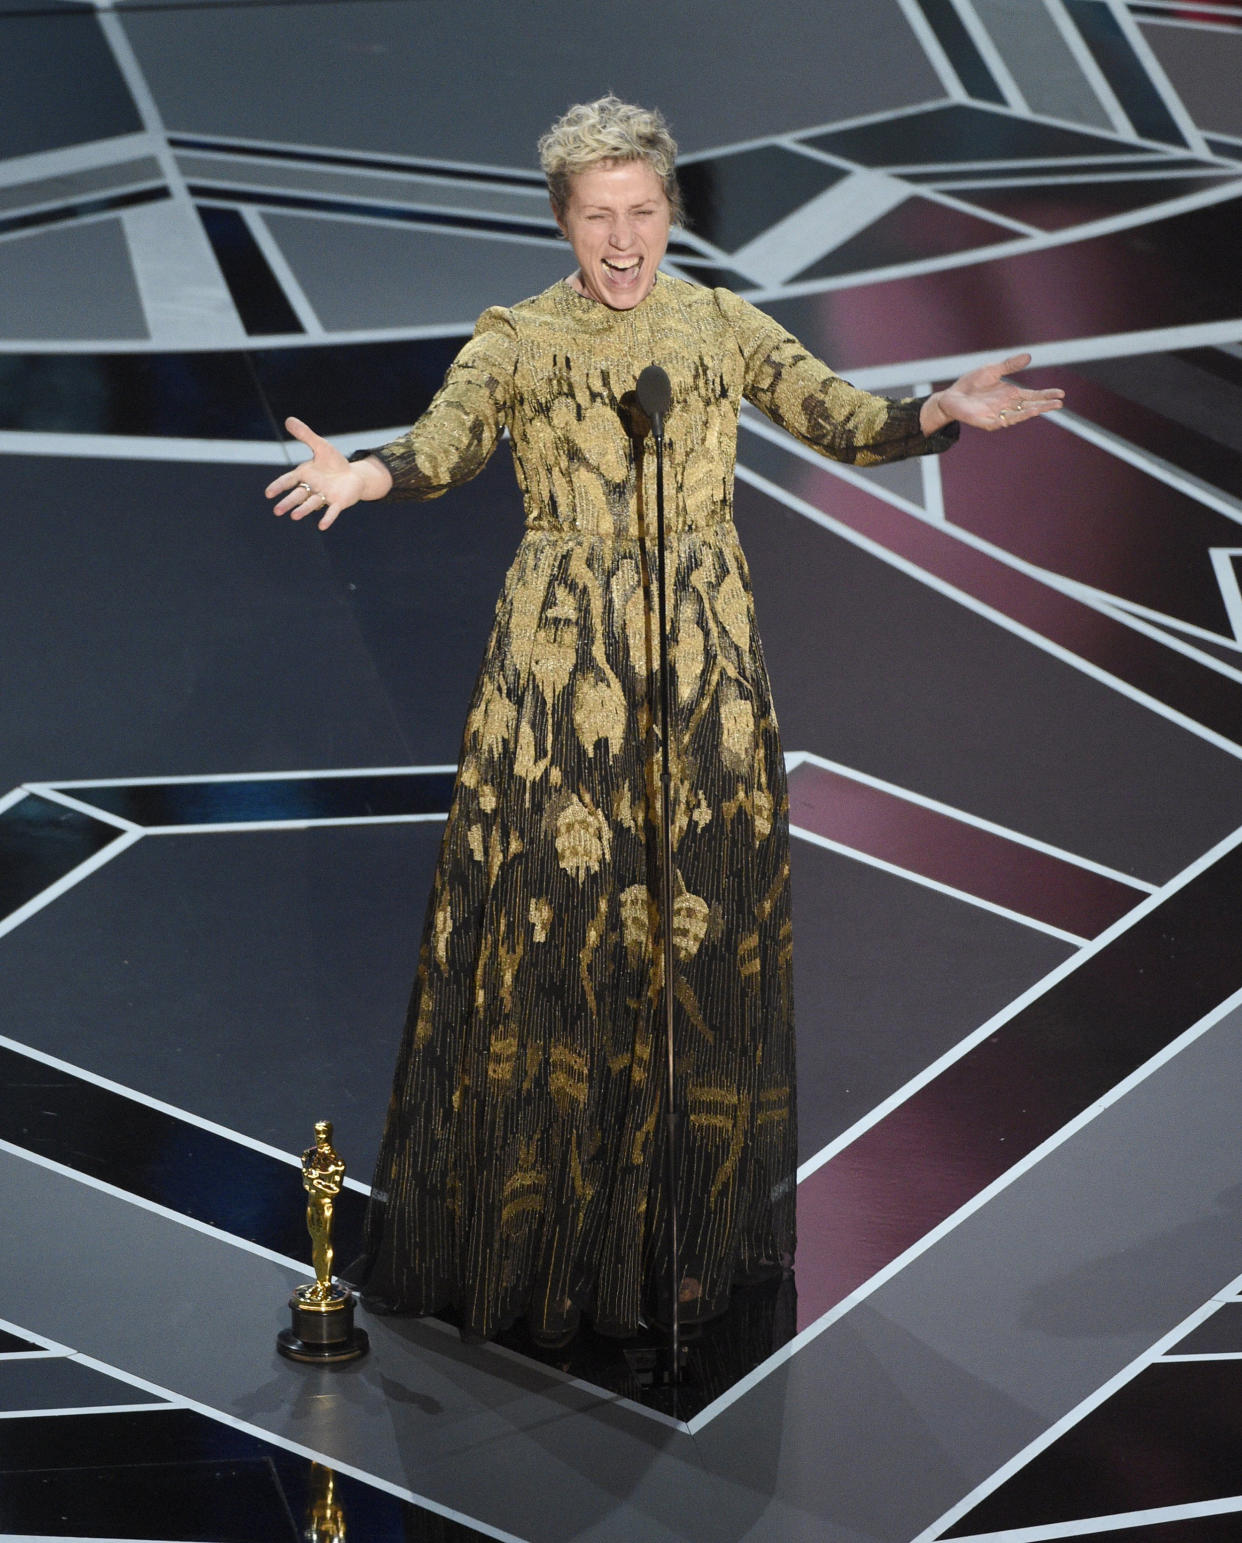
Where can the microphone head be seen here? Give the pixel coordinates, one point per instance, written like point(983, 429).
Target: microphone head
point(655, 393)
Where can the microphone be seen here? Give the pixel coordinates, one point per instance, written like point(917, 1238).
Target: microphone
point(655, 396)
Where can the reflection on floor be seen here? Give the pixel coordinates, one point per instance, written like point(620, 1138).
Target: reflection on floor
point(1010, 686)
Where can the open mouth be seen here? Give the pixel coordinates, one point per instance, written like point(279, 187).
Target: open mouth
point(623, 270)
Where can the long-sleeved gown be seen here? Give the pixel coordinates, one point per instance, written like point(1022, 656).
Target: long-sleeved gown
point(521, 1169)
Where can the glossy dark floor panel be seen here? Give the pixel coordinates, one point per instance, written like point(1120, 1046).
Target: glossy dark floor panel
point(235, 647)
point(261, 302)
point(349, 796)
point(14, 1344)
point(193, 396)
point(1224, 1528)
point(1167, 1438)
point(962, 50)
point(347, 388)
point(177, 1475)
point(1220, 1334)
point(35, 252)
point(949, 851)
point(145, 1152)
point(42, 841)
point(955, 132)
point(731, 199)
point(1125, 72)
point(766, 67)
point(1178, 681)
point(355, 273)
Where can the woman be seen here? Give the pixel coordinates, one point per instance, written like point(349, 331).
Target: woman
point(521, 1168)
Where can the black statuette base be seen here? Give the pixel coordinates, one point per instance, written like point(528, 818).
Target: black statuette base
point(323, 1333)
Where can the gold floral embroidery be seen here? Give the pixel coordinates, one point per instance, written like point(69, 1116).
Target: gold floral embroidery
point(737, 732)
point(444, 929)
point(638, 634)
point(495, 720)
point(541, 914)
point(733, 610)
point(552, 660)
point(583, 838)
point(599, 711)
point(638, 920)
point(691, 914)
point(526, 764)
point(688, 658)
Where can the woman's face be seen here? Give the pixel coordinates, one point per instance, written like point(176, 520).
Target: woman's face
point(617, 221)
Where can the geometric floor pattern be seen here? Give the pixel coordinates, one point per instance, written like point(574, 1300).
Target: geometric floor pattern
point(1010, 688)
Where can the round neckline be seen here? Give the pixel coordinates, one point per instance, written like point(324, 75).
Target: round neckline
point(610, 310)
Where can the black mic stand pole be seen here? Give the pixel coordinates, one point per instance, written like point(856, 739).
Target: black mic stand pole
point(654, 395)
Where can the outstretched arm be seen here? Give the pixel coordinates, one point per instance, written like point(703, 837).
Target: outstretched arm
point(327, 483)
point(984, 399)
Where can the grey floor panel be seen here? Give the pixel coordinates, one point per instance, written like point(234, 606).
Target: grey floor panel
point(255, 979)
point(58, 1382)
point(59, 81)
point(888, 975)
point(385, 188)
point(1041, 63)
point(502, 73)
point(358, 276)
point(258, 663)
point(70, 185)
point(72, 282)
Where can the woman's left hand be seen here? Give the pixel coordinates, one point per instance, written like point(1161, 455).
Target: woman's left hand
point(984, 399)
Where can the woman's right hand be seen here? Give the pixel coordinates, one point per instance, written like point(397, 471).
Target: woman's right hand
point(327, 483)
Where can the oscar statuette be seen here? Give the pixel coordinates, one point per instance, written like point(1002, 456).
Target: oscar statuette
point(323, 1331)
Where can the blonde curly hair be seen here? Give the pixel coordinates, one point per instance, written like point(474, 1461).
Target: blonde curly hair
point(592, 133)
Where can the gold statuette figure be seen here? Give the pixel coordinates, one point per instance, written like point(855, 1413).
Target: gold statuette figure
point(323, 1173)
point(323, 1329)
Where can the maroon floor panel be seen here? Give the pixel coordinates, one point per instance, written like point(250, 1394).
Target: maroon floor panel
point(982, 1114)
point(952, 851)
point(1130, 281)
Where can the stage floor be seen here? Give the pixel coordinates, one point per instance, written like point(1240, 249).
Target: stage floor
point(1010, 689)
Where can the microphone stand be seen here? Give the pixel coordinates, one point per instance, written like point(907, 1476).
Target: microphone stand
point(654, 396)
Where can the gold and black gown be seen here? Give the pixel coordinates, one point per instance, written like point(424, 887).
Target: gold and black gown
point(522, 1166)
